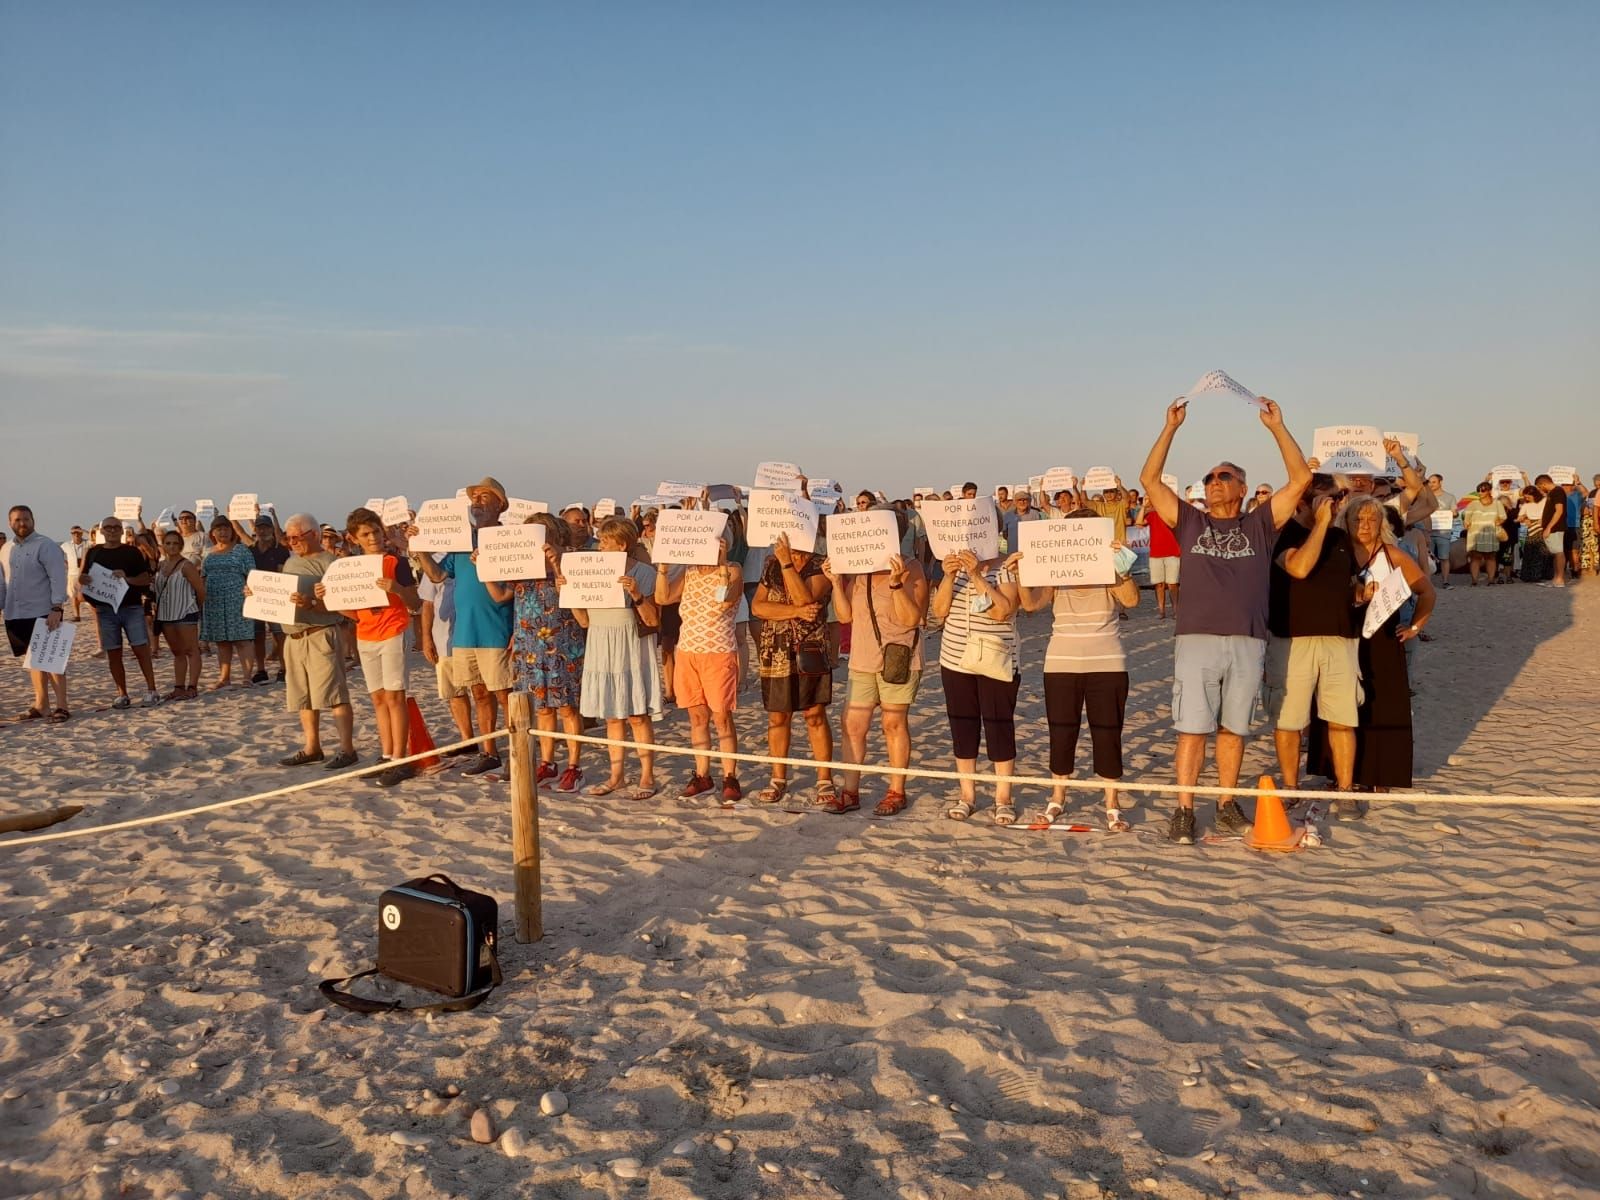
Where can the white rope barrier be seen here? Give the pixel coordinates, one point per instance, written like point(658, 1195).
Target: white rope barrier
point(1043, 781)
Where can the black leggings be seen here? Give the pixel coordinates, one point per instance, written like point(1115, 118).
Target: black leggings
point(976, 702)
point(1105, 695)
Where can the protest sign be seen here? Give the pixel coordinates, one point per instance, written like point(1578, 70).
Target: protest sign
point(1221, 382)
point(518, 511)
point(205, 515)
point(167, 519)
point(1099, 479)
point(443, 525)
point(957, 525)
point(603, 508)
point(1349, 450)
point(49, 650)
point(98, 583)
point(126, 508)
point(779, 476)
point(592, 577)
point(1066, 553)
point(1058, 479)
point(352, 583)
point(271, 597)
point(1564, 476)
point(1035, 485)
point(824, 490)
point(1137, 537)
point(374, 504)
point(927, 492)
point(508, 552)
point(1172, 482)
point(679, 490)
point(205, 502)
point(1506, 474)
point(1442, 520)
point(690, 536)
point(1410, 441)
point(243, 507)
point(394, 511)
point(461, 493)
point(1393, 591)
point(862, 542)
point(772, 513)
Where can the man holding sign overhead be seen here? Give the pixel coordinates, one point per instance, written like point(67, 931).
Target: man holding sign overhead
point(1226, 560)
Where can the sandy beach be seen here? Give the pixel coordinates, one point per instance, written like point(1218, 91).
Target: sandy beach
point(765, 1004)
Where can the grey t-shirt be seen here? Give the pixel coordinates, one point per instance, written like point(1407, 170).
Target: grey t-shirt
point(309, 568)
point(1226, 565)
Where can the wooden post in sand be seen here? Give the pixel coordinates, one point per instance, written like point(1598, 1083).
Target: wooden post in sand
point(524, 817)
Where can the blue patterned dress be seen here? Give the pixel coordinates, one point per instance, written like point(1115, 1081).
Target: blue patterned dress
point(547, 646)
point(222, 619)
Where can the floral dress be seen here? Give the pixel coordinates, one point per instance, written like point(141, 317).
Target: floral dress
point(547, 645)
point(222, 618)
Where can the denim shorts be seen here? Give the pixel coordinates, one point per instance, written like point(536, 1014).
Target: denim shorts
point(115, 622)
point(1215, 680)
point(1440, 544)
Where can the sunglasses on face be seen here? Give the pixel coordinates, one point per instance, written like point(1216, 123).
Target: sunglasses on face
point(1222, 477)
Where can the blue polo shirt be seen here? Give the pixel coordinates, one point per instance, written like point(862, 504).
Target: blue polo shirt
point(481, 622)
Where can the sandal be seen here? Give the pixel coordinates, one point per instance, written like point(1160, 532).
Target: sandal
point(891, 804)
point(1005, 814)
point(773, 792)
point(642, 792)
point(33, 714)
point(603, 789)
point(959, 811)
point(58, 715)
point(845, 801)
point(1115, 822)
point(1053, 811)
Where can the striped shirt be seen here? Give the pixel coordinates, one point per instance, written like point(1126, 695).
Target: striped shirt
point(1085, 637)
point(175, 598)
point(962, 622)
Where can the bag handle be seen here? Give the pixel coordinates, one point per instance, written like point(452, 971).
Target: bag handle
point(335, 990)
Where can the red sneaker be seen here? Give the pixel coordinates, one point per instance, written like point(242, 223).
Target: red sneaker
point(731, 793)
point(570, 778)
point(547, 770)
point(698, 785)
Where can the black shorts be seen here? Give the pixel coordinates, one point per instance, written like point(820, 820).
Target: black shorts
point(671, 624)
point(19, 633)
point(794, 692)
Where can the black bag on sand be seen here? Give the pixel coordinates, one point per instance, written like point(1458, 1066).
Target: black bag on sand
point(432, 934)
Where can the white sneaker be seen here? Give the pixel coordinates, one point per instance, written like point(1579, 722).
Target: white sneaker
point(1312, 836)
point(151, 699)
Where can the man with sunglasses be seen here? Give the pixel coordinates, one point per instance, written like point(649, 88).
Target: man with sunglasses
point(313, 664)
point(1226, 561)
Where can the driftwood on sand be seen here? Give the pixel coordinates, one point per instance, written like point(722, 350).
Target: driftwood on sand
point(39, 820)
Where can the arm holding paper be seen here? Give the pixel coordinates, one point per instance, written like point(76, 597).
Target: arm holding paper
point(430, 568)
point(1409, 471)
point(910, 588)
point(1162, 498)
point(1422, 588)
point(1287, 498)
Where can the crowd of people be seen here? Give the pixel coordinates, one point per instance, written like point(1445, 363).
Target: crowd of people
point(1273, 592)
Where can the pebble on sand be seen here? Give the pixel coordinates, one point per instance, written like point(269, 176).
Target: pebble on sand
point(724, 1144)
point(684, 1148)
point(410, 1138)
point(553, 1103)
point(513, 1142)
point(482, 1127)
point(168, 1087)
point(626, 1168)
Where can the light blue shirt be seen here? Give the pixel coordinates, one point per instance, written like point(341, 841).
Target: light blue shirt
point(33, 578)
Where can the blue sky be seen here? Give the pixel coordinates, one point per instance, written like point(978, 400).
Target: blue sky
point(322, 252)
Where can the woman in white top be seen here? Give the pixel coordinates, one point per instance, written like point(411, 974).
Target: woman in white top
point(179, 591)
point(1085, 668)
point(977, 601)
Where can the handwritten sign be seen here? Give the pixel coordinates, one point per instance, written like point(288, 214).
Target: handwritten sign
point(1171, 481)
point(1392, 593)
point(204, 515)
point(1349, 450)
point(603, 508)
point(825, 491)
point(860, 543)
point(167, 519)
point(1564, 476)
point(689, 536)
point(1099, 479)
point(443, 525)
point(242, 507)
point(98, 583)
point(271, 597)
point(1059, 479)
point(374, 504)
point(1506, 475)
point(1442, 520)
point(1213, 382)
point(508, 552)
point(518, 511)
point(773, 512)
point(394, 511)
point(1410, 441)
point(352, 583)
point(592, 579)
point(779, 476)
point(925, 492)
point(49, 650)
point(126, 508)
point(678, 491)
point(206, 502)
point(1067, 553)
point(957, 525)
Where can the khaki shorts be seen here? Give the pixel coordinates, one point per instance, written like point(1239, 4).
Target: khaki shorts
point(445, 673)
point(868, 690)
point(313, 671)
point(1165, 570)
point(1297, 668)
point(490, 667)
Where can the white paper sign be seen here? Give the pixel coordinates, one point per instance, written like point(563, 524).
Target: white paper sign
point(1067, 553)
point(508, 552)
point(270, 597)
point(603, 508)
point(126, 508)
point(50, 649)
point(824, 490)
point(1171, 481)
point(1099, 479)
point(592, 577)
point(443, 526)
point(374, 504)
point(242, 507)
point(772, 513)
point(679, 490)
point(518, 511)
point(1137, 537)
point(1506, 474)
point(1442, 520)
point(1392, 593)
point(929, 492)
point(1035, 485)
point(98, 583)
point(204, 503)
point(167, 519)
point(690, 536)
point(780, 476)
point(394, 511)
point(1564, 476)
point(1221, 381)
point(352, 583)
point(1410, 441)
point(1059, 479)
point(957, 525)
point(1349, 450)
point(204, 515)
point(860, 543)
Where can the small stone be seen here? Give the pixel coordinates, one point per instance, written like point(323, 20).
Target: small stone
point(724, 1144)
point(552, 1103)
point(684, 1148)
point(1386, 928)
point(1207, 1155)
point(1136, 1136)
point(1443, 828)
point(813, 1175)
point(411, 1139)
point(168, 1087)
point(1149, 1184)
point(15, 1093)
point(113, 1140)
point(771, 1168)
point(627, 1168)
point(992, 1175)
point(482, 1127)
point(452, 1090)
point(1433, 1077)
point(513, 1142)
point(1190, 1081)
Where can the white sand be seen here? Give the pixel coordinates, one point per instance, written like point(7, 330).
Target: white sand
point(875, 1009)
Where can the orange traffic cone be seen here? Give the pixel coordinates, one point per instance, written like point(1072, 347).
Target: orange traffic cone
point(1272, 830)
point(419, 740)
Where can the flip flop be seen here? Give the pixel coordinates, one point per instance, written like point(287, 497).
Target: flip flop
point(959, 811)
point(642, 793)
point(601, 789)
